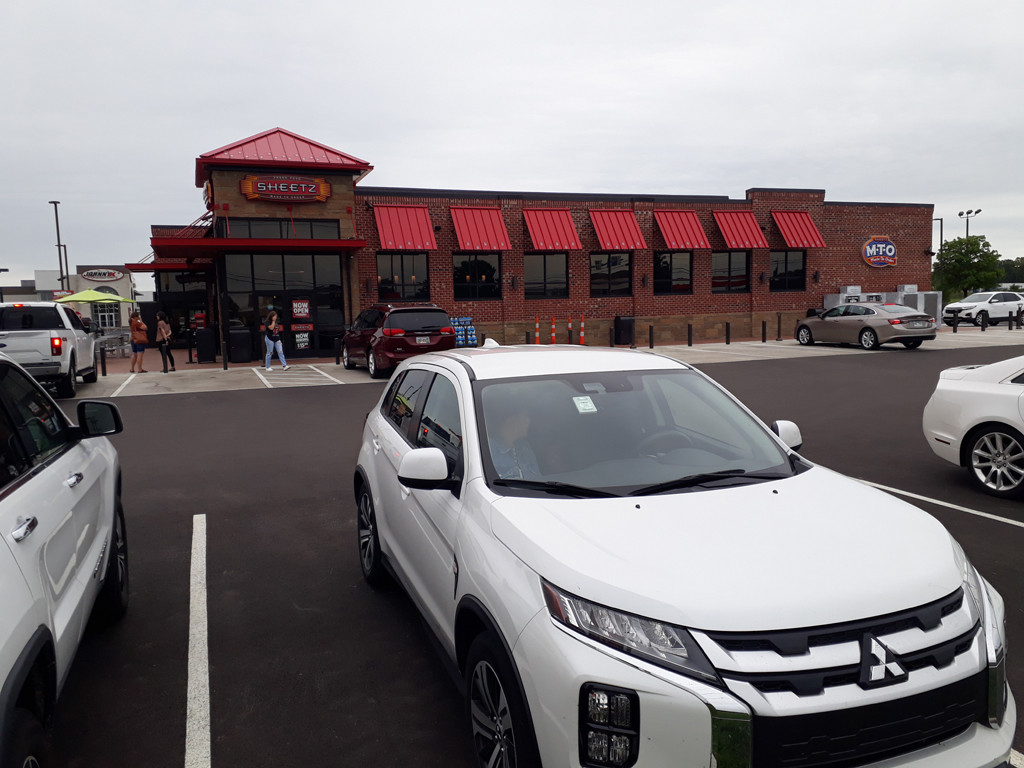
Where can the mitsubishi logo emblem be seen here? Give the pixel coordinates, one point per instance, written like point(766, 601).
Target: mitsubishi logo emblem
point(878, 664)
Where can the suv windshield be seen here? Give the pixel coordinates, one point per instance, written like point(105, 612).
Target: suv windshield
point(620, 432)
point(418, 320)
point(30, 318)
point(976, 298)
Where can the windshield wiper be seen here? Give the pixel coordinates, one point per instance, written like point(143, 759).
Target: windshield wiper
point(692, 481)
point(552, 486)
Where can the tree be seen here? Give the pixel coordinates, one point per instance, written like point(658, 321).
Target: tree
point(1013, 270)
point(966, 264)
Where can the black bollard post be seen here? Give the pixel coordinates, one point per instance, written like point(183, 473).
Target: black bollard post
point(778, 335)
point(956, 321)
point(650, 336)
point(103, 360)
point(728, 332)
point(191, 339)
point(224, 353)
point(764, 331)
point(689, 335)
point(337, 350)
point(984, 321)
point(611, 336)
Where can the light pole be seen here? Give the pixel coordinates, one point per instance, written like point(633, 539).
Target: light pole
point(3, 269)
point(967, 216)
point(60, 249)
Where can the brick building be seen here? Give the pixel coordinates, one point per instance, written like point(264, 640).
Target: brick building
point(288, 226)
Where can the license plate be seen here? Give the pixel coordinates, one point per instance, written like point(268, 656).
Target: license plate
point(422, 339)
point(918, 324)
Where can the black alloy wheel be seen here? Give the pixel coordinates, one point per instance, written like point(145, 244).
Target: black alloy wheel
point(370, 562)
point(66, 386)
point(27, 747)
point(996, 461)
point(501, 731)
point(372, 367)
point(113, 599)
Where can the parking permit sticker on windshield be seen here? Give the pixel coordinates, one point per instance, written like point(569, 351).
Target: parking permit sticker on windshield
point(584, 404)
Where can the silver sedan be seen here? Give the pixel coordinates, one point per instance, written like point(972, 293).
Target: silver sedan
point(869, 325)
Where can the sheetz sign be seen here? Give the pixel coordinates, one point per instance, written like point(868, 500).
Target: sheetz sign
point(288, 189)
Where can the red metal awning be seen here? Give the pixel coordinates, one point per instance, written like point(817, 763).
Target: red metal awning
point(740, 229)
point(798, 229)
point(551, 229)
point(681, 229)
point(617, 229)
point(480, 229)
point(405, 227)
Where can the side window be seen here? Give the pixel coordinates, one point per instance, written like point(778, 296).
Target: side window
point(40, 423)
point(74, 319)
point(360, 321)
point(441, 425)
point(12, 457)
point(405, 397)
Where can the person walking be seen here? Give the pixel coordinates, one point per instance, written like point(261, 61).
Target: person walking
point(273, 339)
point(139, 339)
point(163, 338)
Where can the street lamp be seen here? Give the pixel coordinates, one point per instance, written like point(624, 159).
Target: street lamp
point(60, 249)
point(967, 216)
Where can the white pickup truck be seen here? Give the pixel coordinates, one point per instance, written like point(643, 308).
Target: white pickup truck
point(50, 342)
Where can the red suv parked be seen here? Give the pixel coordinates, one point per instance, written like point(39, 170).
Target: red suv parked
point(383, 335)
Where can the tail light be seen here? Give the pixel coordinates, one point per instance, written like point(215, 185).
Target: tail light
point(447, 331)
point(56, 346)
point(895, 321)
point(393, 331)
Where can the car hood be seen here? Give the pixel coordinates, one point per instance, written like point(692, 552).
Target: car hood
point(963, 305)
point(817, 548)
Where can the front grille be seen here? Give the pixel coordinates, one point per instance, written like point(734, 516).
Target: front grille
point(851, 737)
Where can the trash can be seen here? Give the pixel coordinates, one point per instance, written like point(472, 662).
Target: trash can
point(240, 345)
point(206, 345)
point(624, 330)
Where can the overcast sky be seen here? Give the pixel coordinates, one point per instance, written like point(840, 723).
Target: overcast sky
point(106, 105)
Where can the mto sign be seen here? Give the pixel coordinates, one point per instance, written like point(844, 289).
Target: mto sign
point(287, 189)
point(102, 275)
point(879, 252)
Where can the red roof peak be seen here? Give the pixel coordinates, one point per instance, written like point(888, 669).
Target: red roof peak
point(278, 148)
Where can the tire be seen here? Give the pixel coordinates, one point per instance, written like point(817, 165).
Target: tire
point(995, 459)
point(804, 335)
point(346, 360)
point(912, 344)
point(868, 339)
point(979, 317)
point(112, 602)
point(499, 723)
point(370, 562)
point(66, 386)
point(372, 367)
point(27, 747)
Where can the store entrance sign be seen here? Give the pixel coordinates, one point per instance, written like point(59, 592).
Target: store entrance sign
point(880, 252)
point(285, 189)
point(102, 275)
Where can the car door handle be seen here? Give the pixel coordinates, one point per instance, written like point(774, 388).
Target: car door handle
point(74, 479)
point(25, 527)
point(376, 446)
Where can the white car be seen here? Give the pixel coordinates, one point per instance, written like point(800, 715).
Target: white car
point(991, 306)
point(975, 419)
point(64, 550)
point(626, 567)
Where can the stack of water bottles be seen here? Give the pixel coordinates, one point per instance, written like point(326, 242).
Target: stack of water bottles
point(465, 332)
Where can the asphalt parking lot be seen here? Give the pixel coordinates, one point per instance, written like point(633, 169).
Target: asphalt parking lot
point(304, 663)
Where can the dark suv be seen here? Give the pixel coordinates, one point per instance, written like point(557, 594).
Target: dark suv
point(383, 335)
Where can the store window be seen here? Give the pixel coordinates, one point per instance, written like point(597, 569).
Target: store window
point(477, 276)
point(108, 315)
point(546, 275)
point(279, 229)
point(730, 272)
point(611, 274)
point(788, 271)
point(298, 271)
point(673, 273)
point(402, 277)
point(238, 269)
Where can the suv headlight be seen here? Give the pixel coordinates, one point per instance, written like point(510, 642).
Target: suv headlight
point(663, 644)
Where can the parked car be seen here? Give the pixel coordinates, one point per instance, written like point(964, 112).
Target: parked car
point(626, 567)
point(384, 335)
point(995, 306)
point(869, 325)
point(974, 419)
point(49, 340)
point(64, 554)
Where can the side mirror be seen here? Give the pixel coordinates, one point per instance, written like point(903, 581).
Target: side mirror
point(425, 469)
point(97, 417)
point(789, 433)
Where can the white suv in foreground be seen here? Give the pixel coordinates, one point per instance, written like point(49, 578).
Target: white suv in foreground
point(64, 550)
point(628, 568)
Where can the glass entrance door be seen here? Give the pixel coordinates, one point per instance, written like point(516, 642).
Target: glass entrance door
point(297, 314)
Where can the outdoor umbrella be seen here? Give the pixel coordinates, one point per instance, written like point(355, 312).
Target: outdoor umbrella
point(90, 296)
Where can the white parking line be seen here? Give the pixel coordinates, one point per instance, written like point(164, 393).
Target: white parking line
point(125, 384)
point(197, 717)
point(946, 504)
point(324, 373)
point(1016, 758)
point(262, 378)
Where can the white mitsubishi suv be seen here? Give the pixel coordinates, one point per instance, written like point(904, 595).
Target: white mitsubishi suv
point(627, 567)
point(64, 551)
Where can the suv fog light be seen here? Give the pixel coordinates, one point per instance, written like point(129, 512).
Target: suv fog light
point(609, 726)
